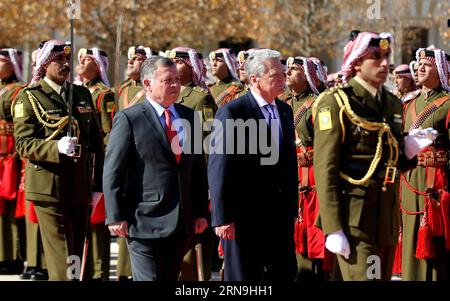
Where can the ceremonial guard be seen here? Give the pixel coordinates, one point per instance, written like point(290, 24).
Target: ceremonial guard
point(405, 84)
point(237, 89)
point(12, 227)
point(303, 82)
point(93, 71)
point(58, 140)
point(36, 266)
point(426, 216)
point(131, 91)
point(224, 68)
point(190, 69)
point(358, 146)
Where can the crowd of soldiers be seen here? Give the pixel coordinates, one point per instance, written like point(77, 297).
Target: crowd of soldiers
point(360, 191)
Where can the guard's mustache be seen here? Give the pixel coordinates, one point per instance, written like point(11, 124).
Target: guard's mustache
point(65, 69)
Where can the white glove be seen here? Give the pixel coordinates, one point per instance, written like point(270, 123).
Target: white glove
point(66, 145)
point(417, 140)
point(337, 243)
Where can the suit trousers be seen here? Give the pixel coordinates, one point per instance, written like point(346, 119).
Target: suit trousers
point(157, 259)
point(63, 230)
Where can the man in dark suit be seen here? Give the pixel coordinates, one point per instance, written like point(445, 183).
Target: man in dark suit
point(155, 194)
point(254, 193)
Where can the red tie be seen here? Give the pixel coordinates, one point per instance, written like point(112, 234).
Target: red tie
point(172, 136)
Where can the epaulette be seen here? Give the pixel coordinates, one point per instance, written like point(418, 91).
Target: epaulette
point(237, 84)
point(200, 89)
point(125, 83)
point(104, 87)
point(32, 86)
point(334, 89)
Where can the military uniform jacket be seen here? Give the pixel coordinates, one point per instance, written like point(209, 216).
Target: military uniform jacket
point(234, 91)
point(364, 211)
point(440, 121)
point(220, 86)
point(198, 99)
point(304, 128)
point(130, 93)
point(8, 94)
point(51, 176)
point(103, 98)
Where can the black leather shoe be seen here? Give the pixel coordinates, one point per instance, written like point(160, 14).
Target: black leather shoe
point(27, 274)
point(40, 275)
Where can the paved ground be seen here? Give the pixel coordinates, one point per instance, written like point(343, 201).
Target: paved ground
point(112, 274)
point(113, 268)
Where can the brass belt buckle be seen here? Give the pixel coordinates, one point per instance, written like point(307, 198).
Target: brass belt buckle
point(77, 151)
point(391, 171)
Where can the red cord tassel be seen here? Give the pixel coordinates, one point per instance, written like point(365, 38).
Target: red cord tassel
point(2, 206)
point(300, 237)
point(397, 268)
point(445, 208)
point(32, 217)
point(425, 249)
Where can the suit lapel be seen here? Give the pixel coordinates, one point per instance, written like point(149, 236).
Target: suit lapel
point(283, 117)
point(150, 115)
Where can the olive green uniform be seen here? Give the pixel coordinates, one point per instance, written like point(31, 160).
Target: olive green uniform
point(200, 100)
point(12, 230)
point(437, 268)
point(307, 269)
point(130, 93)
point(367, 214)
point(98, 260)
point(35, 250)
point(234, 91)
point(217, 88)
point(103, 98)
point(59, 186)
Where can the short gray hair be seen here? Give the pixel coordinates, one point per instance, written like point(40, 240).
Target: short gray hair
point(149, 67)
point(255, 63)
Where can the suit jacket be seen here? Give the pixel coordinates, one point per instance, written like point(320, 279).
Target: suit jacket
point(50, 176)
point(143, 184)
point(243, 190)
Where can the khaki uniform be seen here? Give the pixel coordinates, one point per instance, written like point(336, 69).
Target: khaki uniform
point(12, 229)
point(200, 100)
point(217, 88)
point(233, 92)
point(59, 186)
point(130, 93)
point(307, 268)
point(103, 98)
point(367, 214)
point(35, 250)
point(437, 268)
point(98, 260)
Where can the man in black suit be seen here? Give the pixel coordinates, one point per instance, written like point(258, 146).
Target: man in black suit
point(254, 192)
point(156, 190)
